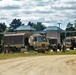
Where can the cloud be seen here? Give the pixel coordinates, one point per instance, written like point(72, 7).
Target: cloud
point(10, 7)
point(64, 7)
point(38, 12)
point(3, 18)
point(47, 11)
point(16, 0)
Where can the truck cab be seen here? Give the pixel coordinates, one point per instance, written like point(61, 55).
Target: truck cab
point(70, 42)
point(39, 42)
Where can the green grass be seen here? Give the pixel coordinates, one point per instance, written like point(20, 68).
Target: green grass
point(14, 55)
point(27, 54)
point(63, 53)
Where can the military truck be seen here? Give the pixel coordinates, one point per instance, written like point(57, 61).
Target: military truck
point(39, 42)
point(36, 42)
point(70, 42)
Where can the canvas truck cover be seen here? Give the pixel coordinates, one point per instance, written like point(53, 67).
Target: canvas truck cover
point(16, 39)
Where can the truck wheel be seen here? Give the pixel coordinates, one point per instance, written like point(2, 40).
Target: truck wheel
point(71, 48)
point(43, 51)
point(38, 51)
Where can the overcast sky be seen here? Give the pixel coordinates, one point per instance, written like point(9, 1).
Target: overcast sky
point(49, 12)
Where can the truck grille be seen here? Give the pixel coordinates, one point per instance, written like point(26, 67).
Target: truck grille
point(43, 45)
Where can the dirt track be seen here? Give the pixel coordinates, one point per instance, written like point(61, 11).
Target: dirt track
point(39, 65)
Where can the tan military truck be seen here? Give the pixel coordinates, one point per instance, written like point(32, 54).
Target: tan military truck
point(70, 42)
point(21, 41)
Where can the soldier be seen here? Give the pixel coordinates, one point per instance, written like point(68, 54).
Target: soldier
point(59, 47)
point(6, 49)
point(73, 44)
point(55, 48)
point(63, 48)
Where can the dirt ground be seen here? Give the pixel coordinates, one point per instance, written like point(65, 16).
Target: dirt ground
point(39, 65)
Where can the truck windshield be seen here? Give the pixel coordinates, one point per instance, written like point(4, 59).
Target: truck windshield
point(67, 40)
point(42, 39)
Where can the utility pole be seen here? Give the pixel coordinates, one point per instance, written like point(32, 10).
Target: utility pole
point(59, 24)
point(59, 27)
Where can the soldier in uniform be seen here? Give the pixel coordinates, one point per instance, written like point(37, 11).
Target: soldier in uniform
point(55, 48)
point(63, 48)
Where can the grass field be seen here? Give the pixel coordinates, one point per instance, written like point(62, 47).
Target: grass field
point(14, 55)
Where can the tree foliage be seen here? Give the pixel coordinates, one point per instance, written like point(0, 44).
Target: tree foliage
point(39, 26)
point(30, 24)
point(2, 29)
point(70, 28)
point(69, 25)
point(70, 33)
point(14, 24)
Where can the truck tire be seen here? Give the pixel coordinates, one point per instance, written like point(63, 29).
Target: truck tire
point(41, 51)
point(72, 48)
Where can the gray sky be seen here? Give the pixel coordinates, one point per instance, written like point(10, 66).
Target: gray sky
point(49, 12)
